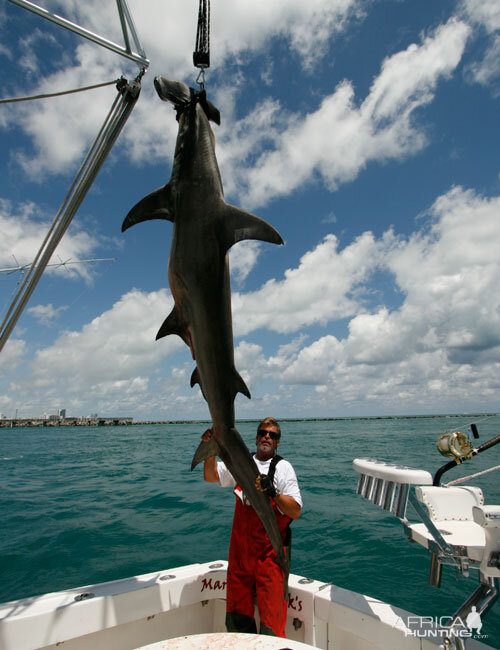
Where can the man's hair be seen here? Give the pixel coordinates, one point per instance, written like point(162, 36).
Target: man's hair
point(272, 422)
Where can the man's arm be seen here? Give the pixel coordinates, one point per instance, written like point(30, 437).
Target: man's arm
point(288, 506)
point(210, 473)
point(285, 502)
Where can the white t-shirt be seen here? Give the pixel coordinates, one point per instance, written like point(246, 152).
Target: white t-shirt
point(285, 478)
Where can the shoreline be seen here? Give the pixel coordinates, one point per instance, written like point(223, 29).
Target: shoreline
point(9, 423)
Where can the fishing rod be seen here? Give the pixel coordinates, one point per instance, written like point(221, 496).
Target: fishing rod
point(457, 445)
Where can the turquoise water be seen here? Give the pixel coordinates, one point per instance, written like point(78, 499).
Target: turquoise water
point(80, 505)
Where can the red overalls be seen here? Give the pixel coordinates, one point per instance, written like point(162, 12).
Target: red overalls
point(253, 571)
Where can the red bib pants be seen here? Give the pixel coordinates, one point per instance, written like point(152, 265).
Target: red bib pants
point(252, 572)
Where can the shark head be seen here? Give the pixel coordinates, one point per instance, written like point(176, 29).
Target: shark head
point(182, 97)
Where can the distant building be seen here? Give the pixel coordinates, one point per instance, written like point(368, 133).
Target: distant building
point(62, 414)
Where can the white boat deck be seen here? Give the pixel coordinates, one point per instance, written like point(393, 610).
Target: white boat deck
point(190, 600)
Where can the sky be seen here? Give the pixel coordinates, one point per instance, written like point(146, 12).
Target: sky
point(365, 131)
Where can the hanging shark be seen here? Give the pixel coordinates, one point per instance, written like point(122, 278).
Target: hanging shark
point(205, 227)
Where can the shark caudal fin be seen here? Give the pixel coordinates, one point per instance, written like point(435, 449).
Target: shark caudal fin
point(245, 225)
point(156, 205)
point(205, 450)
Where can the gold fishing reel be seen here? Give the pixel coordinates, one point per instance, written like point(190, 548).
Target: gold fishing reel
point(455, 445)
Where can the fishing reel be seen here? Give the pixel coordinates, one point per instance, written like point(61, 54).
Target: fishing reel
point(455, 445)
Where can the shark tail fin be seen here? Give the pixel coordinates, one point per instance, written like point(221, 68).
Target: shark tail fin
point(157, 205)
point(205, 450)
point(245, 225)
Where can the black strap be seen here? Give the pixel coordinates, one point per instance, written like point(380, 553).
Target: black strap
point(272, 467)
point(201, 55)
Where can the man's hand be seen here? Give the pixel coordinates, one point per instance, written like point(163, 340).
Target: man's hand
point(263, 484)
point(286, 504)
point(210, 473)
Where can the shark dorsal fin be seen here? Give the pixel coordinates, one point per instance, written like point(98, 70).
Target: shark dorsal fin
point(157, 205)
point(243, 225)
point(172, 325)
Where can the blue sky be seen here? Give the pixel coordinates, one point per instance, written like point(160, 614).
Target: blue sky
point(365, 131)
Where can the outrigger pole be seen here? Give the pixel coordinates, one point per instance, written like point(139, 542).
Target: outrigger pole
point(128, 93)
point(126, 23)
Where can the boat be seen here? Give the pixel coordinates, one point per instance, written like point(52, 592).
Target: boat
point(184, 607)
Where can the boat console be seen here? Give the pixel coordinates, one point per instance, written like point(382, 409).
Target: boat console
point(454, 524)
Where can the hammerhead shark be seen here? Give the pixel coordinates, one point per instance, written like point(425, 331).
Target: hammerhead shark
point(205, 227)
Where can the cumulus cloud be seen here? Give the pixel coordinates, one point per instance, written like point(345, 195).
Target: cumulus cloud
point(269, 152)
point(243, 257)
point(23, 229)
point(321, 289)
point(444, 338)
point(484, 12)
point(46, 314)
point(12, 354)
point(487, 15)
point(440, 346)
point(61, 129)
point(116, 346)
point(379, 129)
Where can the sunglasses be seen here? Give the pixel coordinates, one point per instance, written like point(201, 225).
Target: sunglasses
point(272, 434)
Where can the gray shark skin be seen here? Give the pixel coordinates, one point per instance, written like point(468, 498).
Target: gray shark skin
point(205, 227)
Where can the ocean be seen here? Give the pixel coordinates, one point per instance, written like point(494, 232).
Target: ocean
point(80, 505)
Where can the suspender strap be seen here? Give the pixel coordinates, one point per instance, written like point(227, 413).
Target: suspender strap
point(272, 467)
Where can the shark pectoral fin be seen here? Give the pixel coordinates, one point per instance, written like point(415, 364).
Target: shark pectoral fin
point(157, 205)
point(205, 450)
point(239, 385)
point(172, 325)
point(245, 225)
point(212, 112)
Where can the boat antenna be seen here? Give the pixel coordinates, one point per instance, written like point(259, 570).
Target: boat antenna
point(25, 267)
point(201, 54)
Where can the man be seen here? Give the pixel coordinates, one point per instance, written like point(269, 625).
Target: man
point(251, 568)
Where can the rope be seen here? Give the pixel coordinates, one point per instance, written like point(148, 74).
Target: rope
point(62, 92)
point(466, 478)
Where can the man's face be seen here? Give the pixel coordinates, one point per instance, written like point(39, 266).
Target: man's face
point(265, 443)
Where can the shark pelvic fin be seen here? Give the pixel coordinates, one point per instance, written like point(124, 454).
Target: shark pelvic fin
point(157, 205)
point(172, 325)
point(239, 385)
point(196, 379)
point(205, 450)
point(245, 225)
